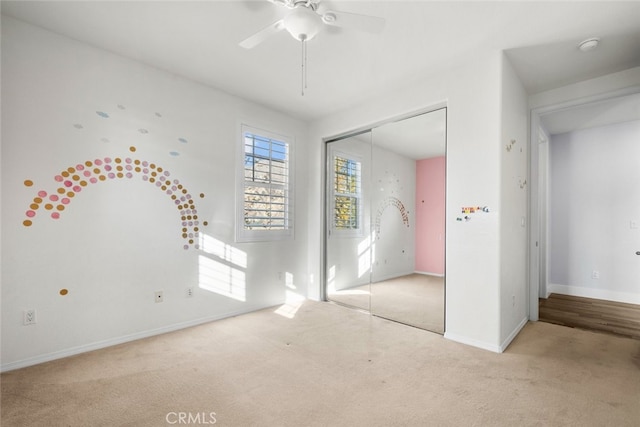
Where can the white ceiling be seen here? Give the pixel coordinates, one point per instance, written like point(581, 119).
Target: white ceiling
point(418, 137)
point(548, 66)
point(199, 40)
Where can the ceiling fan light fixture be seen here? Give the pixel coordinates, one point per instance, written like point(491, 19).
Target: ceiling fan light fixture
point(303, 23)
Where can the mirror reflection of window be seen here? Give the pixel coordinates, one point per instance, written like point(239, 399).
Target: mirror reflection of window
point(348, 261)
point(348, 190)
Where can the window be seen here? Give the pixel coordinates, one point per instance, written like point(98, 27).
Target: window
point(347, 194)
point(264, 194)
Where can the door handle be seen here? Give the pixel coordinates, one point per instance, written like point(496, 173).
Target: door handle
point(637, 252)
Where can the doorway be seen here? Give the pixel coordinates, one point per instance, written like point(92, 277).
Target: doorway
point(385, 213)
point(582, 241)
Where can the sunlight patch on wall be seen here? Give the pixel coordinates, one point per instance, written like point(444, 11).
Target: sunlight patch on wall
point(223, 250)
point(222, 279)
point(288, 280)
point(331, 279)
point(365, 255)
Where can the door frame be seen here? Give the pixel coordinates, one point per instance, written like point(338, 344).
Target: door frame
point(535, 214)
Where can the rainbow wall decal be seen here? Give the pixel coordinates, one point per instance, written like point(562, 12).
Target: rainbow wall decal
point(75, 179)
point(395, 202)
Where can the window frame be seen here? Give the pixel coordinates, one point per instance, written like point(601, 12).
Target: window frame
point(257, 235)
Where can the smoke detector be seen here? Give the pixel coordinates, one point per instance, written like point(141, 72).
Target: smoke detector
point(589, 44)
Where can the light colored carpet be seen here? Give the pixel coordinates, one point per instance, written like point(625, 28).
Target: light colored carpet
point(332, 366)
point(414, 299)
point(357, 297)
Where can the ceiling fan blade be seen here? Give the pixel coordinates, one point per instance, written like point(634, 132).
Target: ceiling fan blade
point(370, 24)
point(262, 35)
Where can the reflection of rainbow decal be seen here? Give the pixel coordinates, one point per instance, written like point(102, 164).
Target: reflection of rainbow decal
point(391, 201)
point(73, 180)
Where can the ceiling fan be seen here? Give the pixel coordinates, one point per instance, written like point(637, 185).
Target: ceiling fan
point(305, 19)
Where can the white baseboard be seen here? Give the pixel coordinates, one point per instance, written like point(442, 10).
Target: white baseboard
point(474, 343)
point(5, 367)
point(486, 346)
point(603, 294)
point(513, 334)
point(427, 273)
point(391, 276)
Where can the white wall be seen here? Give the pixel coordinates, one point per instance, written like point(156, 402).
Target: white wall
point(513, 207)
point(472, 94)
point(593, 198)
point(118, 241)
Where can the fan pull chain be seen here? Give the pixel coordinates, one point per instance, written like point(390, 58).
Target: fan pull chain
point(305, 63)
point(303, 39)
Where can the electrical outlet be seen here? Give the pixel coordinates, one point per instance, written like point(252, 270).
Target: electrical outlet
point(189, 291)
point(158, 297)
point(29, 317)
point(595, 274)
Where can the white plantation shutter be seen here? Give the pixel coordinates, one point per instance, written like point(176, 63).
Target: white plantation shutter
point(265, 198)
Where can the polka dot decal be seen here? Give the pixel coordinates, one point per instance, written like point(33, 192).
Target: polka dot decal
point(76, 179)
point(120, 115)
point(396, 203)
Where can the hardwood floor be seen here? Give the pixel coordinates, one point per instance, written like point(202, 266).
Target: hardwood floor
point(586, 313)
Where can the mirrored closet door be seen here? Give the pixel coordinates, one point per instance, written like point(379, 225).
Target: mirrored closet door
point(408, 207)
point(348, 249)
point(388, 258)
